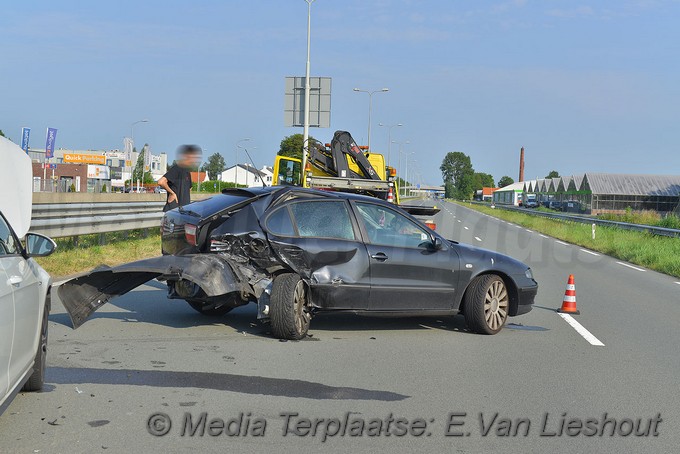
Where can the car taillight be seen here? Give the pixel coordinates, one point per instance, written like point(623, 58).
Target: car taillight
point(190, 234)
point(431, 224)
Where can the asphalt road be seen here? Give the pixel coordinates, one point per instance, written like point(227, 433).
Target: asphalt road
point(143, 354)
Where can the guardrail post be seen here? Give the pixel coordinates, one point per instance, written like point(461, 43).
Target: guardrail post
point(145, 233)
point(593, 231)
point(74, 240)
point(102, 239)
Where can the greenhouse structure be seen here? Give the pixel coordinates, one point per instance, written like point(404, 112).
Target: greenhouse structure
point(594, 193)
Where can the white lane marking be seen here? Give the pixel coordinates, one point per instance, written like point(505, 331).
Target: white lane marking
point(478, 238)
point(631, 266)
point(458, 220)
point(530, 231)
point(466, 228)
point(518, 226)
point(590, 252)
point(544, 236)
point(678, 283)
point(561, 242)
point(587, 335)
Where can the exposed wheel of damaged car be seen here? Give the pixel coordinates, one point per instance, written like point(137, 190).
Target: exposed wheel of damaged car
point(486, 304)
point(289, 309)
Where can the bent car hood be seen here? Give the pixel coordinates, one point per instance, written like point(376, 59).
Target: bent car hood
point(16, 196)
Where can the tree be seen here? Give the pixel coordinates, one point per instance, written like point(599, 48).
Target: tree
point(457, 169)
point(449, 190)
point(139, 173)
point(505, 181)
point(482, 180)
point(214, 166)
point(553, 174)
point(291, 146)
point(2, 134)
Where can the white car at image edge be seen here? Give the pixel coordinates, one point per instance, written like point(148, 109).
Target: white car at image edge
point(24, 285)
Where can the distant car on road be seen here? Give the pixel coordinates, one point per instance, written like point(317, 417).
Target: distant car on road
point(297, 252)
point(531, 204)
point(24, 285)
point(553, 204)
point(159, 190)
point(572, 206)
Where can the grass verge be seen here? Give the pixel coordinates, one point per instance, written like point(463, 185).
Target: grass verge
point(88, 253)
point(654, 252)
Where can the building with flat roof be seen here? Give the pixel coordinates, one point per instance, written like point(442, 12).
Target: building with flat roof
point(109, 166)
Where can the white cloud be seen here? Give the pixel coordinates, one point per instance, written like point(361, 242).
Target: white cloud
point(580, 11)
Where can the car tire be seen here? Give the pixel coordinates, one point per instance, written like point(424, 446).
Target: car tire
point(37, 379)
point(288, 309)
point(486, 305)
point(210, 309)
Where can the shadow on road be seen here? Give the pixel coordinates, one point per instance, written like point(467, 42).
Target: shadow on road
point(149, 305)
point(217, 381)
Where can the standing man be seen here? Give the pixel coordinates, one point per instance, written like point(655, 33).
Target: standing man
point(177, 180)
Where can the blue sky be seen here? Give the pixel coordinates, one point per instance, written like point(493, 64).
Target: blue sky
point(583, 86)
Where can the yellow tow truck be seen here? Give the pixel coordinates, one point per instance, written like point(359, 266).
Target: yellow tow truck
point(344, 166)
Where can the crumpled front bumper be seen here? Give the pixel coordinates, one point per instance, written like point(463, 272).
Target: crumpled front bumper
point(83, 295)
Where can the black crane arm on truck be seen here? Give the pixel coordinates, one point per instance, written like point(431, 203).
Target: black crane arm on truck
point(343, 146)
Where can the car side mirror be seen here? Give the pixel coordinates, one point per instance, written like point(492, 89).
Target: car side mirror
point(38, 245)
point(437, 243)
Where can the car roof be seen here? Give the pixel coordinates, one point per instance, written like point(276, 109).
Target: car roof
point(315, 192)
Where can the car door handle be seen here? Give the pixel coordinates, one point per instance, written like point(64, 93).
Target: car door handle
point(380, 256)
point(15, 280)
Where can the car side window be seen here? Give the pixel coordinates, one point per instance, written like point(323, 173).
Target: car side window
point(323, 219)
point(279, 223)
point(387, 227)
point(8, 245)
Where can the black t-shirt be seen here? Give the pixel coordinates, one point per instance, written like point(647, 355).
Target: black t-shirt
point(179, 180)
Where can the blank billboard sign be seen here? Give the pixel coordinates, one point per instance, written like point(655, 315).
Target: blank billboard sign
point(319, 102)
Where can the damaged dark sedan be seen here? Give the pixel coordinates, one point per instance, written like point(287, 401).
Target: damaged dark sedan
point(296, 252)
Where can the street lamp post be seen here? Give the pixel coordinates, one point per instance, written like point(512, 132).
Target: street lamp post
point(370, 101)
point(389, 139)
point(132, 139)
point(305, 131)
point(238, 145)
point(408, 153)
point(399, 161)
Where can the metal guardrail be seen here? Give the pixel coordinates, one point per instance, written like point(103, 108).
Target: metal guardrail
point(662, 231)
point(73, 219)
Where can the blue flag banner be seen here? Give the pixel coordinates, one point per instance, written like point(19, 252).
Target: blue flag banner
point(25, 134)
point(49, 145)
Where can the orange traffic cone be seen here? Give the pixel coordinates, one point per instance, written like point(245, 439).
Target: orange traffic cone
point(569, 302)
point(390, 195)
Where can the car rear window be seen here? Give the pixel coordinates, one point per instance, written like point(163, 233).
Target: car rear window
point(216, 203)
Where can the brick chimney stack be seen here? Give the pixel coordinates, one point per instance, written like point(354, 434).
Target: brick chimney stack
point(521, 164)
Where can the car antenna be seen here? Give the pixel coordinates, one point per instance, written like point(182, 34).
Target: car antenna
point(264, 185)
